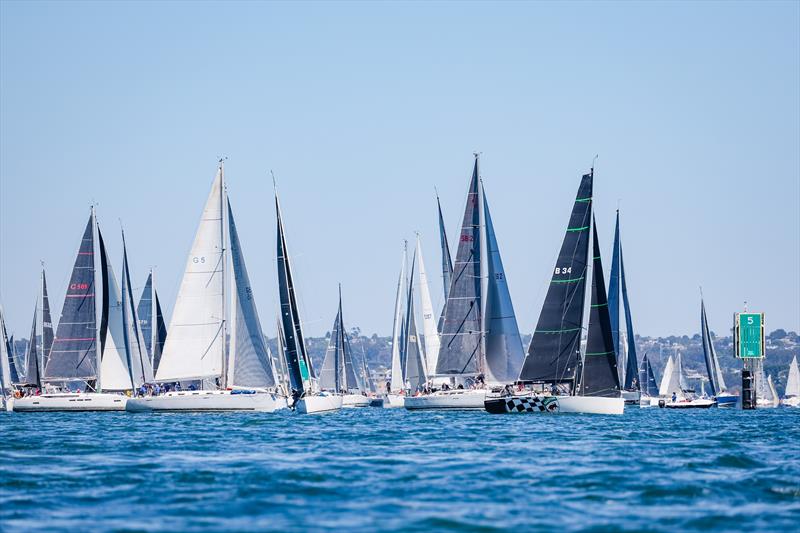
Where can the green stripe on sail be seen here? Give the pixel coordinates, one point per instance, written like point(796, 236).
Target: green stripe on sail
point(553, 331)
point(582, 228)
point(600, 305)
point(566, 280)
point(599, 353)
point(589, 199)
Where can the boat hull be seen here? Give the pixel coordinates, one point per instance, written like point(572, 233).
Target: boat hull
point(647, 401)
point(555, 404)
point(355, 400)
point(208, 401)
point(71, 401)
point(793, 401)
point(318, 404)
point(452, 399)
point(699, 403)
point(394, 401)
point(631, 397)
point(727, 400)
point(376, 402)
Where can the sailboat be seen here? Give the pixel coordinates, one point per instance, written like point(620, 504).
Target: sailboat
point(6, 385)
point(40, 343)
point(766, 395)
point(395, 387)
point(151, 320)
point(647, 379)
point(480, 344)
point(338, 374)
point(430, 331)
point(239, 378)
point(625, 347)
point(791, 396)
point(91, 349)
point(715, 379)
point(675, 391)
point(556, 376)
point(306, 394)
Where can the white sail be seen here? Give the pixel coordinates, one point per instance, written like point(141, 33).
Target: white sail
point(195, 346)
point(503, 344)
point(397, 382)
point(664, 388)
point(793, 381)
point(141, 366)
point(773, 392)
point(429, 330)
point(5, 367)
point(114, 371)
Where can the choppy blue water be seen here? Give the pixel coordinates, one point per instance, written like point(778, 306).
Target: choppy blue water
point(374, 469)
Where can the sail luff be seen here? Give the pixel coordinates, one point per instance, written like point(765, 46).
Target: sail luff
point(631, 360)
point(126, 319)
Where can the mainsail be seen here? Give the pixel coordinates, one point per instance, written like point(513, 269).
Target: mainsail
point(398, 380)
point(647, 379)
point(793, 381)
point(600, 375)
point(773, 392)
point(330, 375)
point(195, 347)
point(631, 366)
point(46, 325)
point(415, 367)
point(503, 343)
point(613, 297)
point(75, 351)
point(447, 262)
point(667, 387)
point(553, 353)
point(429, 328)
point(715, 378)
point(151, 320)
point(462, 341)
point(250, 362)
point(301, 372)
point(33, 375)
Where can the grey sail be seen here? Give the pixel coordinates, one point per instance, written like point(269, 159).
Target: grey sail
point(348, 369)
point(74, 355)
point(414, 354)
point(613, 296)
point(5, 354)
point(504, 351)
point(353, 370)
point(715, 379)
point(631, 366)
point(141, 368)
point(252, 366)
point(144, 311)
point(33, 375)
point(600, 376)
point(330, 372)
point(447, 261)
point(553, 353)
point(160, 337)
point(461, 351)
point(14, 365)
point(47, 334)
point(647, 379)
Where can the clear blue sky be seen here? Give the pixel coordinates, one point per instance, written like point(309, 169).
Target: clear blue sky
point(361, 108)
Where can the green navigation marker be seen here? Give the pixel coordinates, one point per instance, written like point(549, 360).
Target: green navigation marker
point(749, 335)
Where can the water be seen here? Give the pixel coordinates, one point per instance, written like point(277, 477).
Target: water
point(374, 469)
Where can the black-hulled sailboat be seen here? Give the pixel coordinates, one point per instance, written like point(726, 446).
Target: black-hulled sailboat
point(306, 394)
point(556, 374)
point(624, 345)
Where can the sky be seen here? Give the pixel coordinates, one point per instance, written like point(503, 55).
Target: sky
point(361, 109)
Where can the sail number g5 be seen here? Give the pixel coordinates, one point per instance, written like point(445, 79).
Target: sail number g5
point(199, 260)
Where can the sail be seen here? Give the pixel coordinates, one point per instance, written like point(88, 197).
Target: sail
point(195, 347)
point(348, 368)
point(600, 375)
point(554, 349)
point(715, 378)
point(666, 388)
point(73, 355)
point(47, 334)
point(762, 385)
point(793, 381)
point(631, 367)
point(160, 337)
point(141, 368)
point(398, 382)
point(504, 352)
point(330, 373)
point(646, 378)
point(145, 313)
point(300, 370)
point(447, 262)
point(414, 356)
point(461, 351)
point(281, 358)
point(683, 384)
point(116, 363)
point(32, 370)
point(250, 364)
point(5, 354)
point(613, 297)
point(773, 392)
point(429, 327)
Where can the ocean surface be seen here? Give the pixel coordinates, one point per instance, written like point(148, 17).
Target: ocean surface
point(391, 470)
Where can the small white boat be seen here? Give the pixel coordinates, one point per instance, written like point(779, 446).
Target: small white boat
point(209, 400)
point(792, 391)
point(793, 401)
point(687, 403)
point(319, 403)
point(394, 401)
point(71, 401)
point(631, 397)
point(533, 403)
point(355, 400)
point(448, 399)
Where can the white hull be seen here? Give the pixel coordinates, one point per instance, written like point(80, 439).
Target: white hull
point(451, 399)
point(794, 401)
point(71, 401)
point(763, 403)
point(8, 404)
point(355, 400)
point(697, 403)
point(208, 401)
point(319, 404)
point(394, 401)
point(647, 401)
point(631, 397)
point(591, 405)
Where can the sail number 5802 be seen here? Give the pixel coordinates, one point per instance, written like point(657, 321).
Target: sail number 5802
point(565, 270)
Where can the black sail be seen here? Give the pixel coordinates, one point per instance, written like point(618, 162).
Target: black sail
point(74, 352)
point(161, 332)
point(462, 335)
point(600, 375)
point(553, 353)
point(144, 310)
point(47, 327)
point(631, 367)
point(33, 375)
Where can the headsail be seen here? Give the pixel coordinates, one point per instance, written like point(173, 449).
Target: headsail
point(330, 375)
point(141, 368)
point(793, 381)
point(631, 366)
point(613, 298)
point(398, 380)
point(647, 379)
point(250, 361)
point(462, 343)
point(600, 375)
point(429, 328)
point(503, 344)
point(75, 351)
point(5, 354)
point(33, 375)
point(414, 356)
point(447, 262)
point(47, 334)
point(554, 349)
point(195, 347)
point(151, 320)
point(666, 388)
point(715, 378)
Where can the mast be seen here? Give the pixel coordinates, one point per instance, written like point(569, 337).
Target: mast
point(223, 194)
point(98, 387)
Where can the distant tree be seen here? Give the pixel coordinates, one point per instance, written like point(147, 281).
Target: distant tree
point(778, 334)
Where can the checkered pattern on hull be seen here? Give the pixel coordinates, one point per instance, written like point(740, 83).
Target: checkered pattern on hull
point(531, 404)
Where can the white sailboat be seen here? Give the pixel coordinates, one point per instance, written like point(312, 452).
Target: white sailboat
point(196, 348)
point(395, 390)
point(791, 396)
point(676, 392)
